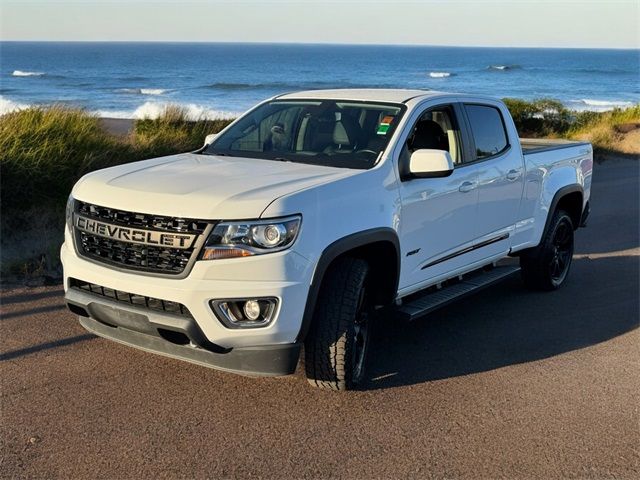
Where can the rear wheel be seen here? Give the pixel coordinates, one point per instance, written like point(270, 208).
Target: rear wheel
point(337, 344)
point(546, 267)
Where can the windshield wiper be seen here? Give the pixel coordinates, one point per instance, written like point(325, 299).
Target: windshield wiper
point(282, 159)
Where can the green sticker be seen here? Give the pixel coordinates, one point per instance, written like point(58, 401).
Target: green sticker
point(385, 123)
point(383, 128)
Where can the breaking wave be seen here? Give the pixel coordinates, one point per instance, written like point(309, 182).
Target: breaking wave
point(154, 110)
point(440, 74)
point(597, 105)
point(503, 67)
point(146, 110)
point(143, 91)
point(7, 106)
point(152, 91)
point(21, 73)
point(605, 103)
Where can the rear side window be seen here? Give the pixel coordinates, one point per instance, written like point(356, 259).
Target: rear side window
point(488, 130)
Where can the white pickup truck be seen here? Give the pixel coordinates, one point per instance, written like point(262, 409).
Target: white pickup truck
point(312, 215)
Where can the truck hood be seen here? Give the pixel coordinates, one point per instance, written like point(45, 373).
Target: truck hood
point(198, 186)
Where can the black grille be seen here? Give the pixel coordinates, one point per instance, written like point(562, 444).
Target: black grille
point(147, 258)
point(140, 220)
point(132, 299)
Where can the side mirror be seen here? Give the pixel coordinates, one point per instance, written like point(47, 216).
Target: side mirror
point(208, 140)
point(426, 163)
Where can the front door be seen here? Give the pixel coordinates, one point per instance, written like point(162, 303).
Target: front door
point(439, 222)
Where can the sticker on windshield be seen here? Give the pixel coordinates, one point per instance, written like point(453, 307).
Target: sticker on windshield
point(385, 124)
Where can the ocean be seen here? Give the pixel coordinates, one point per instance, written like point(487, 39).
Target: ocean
point(134, 80)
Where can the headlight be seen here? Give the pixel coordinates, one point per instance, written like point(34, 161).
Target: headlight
point(251, 237)
point(69, 213)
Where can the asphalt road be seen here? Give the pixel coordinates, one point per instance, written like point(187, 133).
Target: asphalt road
point(508, 383)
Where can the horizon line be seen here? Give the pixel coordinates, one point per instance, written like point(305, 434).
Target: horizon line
point(346, 44)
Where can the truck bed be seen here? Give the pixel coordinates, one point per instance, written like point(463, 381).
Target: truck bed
point(538, 145)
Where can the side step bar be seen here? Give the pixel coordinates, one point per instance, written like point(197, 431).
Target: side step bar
point(420, 304)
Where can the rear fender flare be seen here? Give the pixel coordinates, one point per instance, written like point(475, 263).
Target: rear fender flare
point(564, 191)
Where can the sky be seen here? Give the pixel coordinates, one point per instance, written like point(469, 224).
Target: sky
point(505, 23)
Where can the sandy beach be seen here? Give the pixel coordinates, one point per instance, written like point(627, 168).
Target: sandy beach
point(117, 126)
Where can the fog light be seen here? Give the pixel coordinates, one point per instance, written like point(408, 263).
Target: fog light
point(243, 313)
point(252, 310)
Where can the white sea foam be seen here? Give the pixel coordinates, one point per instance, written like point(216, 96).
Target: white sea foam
point(20, 73)
point(605, 103)
point(146, 110)
point(439, 74)
point(595, 105)
point(154, 110)
point(152, 91)
point(504, 67)
point(7, 106)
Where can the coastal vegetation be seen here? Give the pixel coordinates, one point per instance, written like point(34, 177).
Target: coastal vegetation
point(612, 132)
point(45, 150)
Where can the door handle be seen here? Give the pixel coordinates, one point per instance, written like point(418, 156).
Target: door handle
point(513, 175)
point(467, 187)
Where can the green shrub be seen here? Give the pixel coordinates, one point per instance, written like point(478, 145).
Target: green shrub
point(549, 118)
point(542, 117)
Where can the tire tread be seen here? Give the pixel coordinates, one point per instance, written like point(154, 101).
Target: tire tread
point(326, 351)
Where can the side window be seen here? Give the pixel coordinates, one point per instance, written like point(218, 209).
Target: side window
point(435, 129)
point(487, 129)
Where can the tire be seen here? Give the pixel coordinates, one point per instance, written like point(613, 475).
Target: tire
point(547, 266)
point(337, 343)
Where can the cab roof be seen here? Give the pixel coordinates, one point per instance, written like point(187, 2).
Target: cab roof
point(363, 94)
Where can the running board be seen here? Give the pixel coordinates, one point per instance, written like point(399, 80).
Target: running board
point(420, 304)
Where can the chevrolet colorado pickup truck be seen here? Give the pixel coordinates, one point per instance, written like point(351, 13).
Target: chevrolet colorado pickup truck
point(313, 214)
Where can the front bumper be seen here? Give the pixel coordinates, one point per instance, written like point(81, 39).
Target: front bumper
point(284, 275)
point(176, 337)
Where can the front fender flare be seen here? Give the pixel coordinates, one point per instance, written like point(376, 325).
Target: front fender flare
point(333, 251)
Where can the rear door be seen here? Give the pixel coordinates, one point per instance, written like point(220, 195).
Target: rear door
point(500, 171)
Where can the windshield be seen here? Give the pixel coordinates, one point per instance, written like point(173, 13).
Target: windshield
point(320, 132)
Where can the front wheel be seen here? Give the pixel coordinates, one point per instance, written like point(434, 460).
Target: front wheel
point(337, 344)
point(546, 267)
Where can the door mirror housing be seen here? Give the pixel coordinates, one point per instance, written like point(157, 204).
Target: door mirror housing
point(427, 163)
point(208, 140)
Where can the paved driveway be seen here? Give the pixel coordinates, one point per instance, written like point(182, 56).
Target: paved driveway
point(507, 383)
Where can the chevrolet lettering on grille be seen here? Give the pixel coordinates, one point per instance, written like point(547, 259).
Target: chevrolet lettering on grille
point(135, 235)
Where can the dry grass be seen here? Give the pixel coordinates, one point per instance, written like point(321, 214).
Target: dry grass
point(607, 132)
